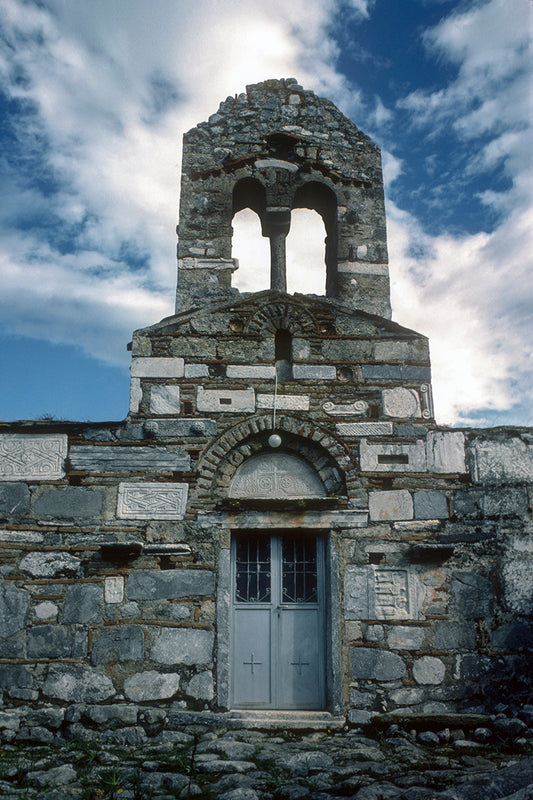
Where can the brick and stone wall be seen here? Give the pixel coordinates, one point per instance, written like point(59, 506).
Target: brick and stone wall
point(115, 582)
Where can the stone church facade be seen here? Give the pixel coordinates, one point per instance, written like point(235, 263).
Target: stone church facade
point(279, 525)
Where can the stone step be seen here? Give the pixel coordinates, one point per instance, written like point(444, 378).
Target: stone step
point(284, 720)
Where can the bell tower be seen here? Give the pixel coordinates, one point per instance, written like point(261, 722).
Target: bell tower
point(273, 149)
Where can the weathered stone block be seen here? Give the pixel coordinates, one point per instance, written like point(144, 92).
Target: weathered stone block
point(87, 458)
point(69, 502)
point(78, 684)
point(196, 371)
point(284, 402)
point(15, 676)
point(250, 371)
point(313, 372)
point(183, 646)
point(83, 603)
point(14, 499)
point(513, 636)
point(428, 670)
point(508, 460)
point(51, 565)
point(136, 395)
point(518, 585)
point(446, 452)
point(455, 636)
point(508, 501)
point(46, 610)
point(230, 401)
point(474, 596)
point(430, 505)
point(381, 372)
point(401, 403)
point(403, 637)
point(170, 584)
point(385, 457)
point(118, 644)
point(151, 685)
point(407, 697)
point(152, 500)
point(157, 367)
point(164, 399)
point(390, 505)
point(49, 641)
point(114, 589)
point(21, 537)
point(106, 716)
point(36, 457)
point(379, 665)
point(14, 604)
point(381, 593)
point(201, 686)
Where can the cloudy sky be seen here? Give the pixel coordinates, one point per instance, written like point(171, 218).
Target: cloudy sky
point(94, 99)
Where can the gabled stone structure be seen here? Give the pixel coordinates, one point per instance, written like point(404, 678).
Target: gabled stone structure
point(279, 523)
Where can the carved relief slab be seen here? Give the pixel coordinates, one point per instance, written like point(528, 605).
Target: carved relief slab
point(152, 500)
point(381, 593)
point(357, 408)
point(401, 402)
point(32, 457)
point(276, 475)
point(364, 429)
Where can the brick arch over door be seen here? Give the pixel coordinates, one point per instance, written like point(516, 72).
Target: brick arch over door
point(325, 454)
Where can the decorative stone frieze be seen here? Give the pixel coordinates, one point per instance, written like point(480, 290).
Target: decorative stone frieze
point(381, 593)
point(401, 402)
point(232, 401)
point(356, 409)
point(357, 429)
point(152, 500)
point(35, 457)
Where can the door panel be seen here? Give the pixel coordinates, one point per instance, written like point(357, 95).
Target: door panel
point(278, 621)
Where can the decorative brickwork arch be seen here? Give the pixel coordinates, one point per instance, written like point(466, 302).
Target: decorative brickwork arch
point(329, 459)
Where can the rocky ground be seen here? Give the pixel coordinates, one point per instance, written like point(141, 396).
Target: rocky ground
point(443, 764)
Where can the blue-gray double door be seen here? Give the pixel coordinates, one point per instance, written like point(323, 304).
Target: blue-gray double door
point(278, 641)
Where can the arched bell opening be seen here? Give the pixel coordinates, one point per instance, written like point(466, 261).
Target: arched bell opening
point(248, 245)
point(318, 197)
point(306, 272)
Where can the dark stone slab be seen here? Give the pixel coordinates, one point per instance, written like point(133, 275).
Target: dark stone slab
point(83, 603)
point(474, 596)
point(14, 499)
point(69, 502)
point(49, 641)
point(430, 504)
point(117, 645)
point(455, 636)
point(127, 459)
point(368, 663)
point(170, 584)
point(513, 636)
point(14, 605)
point(14, 676)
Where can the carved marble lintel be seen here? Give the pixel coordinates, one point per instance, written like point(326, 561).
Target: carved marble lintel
point(357, 408)
point(34, 457)
point(152, 500)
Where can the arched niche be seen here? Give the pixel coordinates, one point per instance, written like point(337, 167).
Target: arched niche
point(320, 198)
point(275, 476)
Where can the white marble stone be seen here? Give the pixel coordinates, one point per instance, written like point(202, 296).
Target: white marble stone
point(396, 504)
point(310, 372)
point(136, 395)
point(146, 367)
point(231, 401)
point(21, 536)
point(446, 452)
point(428, 670)
point(46, 610)
point(363, 268)
point(35, 457)
point(278, 475)
point(152, 500)
point(355, 429)
point(256, 371)
point(284, 402)
point(114, 589)
point(384, 457)
point(164, 399)
point(196, 371)
point(276, 163)
point(401, 402)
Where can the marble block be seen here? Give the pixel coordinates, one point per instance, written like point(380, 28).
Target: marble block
point(35, 457)
point(152, 500)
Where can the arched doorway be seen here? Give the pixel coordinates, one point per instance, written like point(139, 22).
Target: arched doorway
point(278, 655)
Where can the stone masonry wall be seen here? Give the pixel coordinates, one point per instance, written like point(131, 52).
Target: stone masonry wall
point(112, 537)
